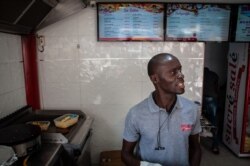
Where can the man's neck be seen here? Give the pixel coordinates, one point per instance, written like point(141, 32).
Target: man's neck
point(164, 101)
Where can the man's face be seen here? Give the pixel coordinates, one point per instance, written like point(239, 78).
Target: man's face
point(170, 77)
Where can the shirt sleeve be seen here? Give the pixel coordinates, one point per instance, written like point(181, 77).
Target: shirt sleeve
point(130, 133)
point(197, 125)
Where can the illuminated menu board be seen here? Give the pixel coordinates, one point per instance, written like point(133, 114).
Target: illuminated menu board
point(197, 22)
point(130, 22)
point(243, 24)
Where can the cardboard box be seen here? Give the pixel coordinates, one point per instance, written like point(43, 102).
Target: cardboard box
point(111, 158)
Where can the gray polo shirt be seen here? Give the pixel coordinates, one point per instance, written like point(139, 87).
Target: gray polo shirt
point(144, 120)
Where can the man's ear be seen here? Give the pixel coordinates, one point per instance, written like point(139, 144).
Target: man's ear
point(154, 78)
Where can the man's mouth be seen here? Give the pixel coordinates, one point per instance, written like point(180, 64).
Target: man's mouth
point(181, 85)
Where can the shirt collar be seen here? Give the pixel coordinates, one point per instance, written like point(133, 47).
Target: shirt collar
point(153, 107)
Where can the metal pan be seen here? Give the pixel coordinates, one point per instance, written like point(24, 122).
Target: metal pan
point(25, 139)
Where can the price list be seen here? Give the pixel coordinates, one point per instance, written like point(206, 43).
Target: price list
point(197, 22)
point(243, 24)
point(134, 22)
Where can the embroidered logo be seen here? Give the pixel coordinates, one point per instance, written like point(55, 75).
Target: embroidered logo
point(186, 127)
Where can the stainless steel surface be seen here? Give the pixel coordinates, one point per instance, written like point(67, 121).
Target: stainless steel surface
point(27, 148)
point(7, 155)
point(52, 3)
point(85, 157)
point(47, 156)
point(82, 133)
point(54, 138)
point(27, 16)
point(63, 9)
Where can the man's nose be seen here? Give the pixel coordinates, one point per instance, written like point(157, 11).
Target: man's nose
point(180, 75)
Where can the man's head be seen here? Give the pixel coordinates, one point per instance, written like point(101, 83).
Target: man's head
point(164, 71)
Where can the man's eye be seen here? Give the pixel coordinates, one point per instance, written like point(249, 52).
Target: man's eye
point(173, 72)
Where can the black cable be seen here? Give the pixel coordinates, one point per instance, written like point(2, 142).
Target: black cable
point(159, 147)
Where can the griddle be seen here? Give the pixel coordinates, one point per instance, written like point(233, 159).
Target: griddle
point(18, 133)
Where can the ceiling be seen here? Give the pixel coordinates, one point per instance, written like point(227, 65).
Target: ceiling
point(27, 16)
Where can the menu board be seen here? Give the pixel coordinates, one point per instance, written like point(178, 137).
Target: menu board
point(243, 24)
point(197, 22)
point(131, 22)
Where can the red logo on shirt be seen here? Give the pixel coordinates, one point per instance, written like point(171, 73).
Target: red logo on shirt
point(186, 127)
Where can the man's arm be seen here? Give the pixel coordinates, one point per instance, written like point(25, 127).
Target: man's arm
point(194, 150)
point(128, 153)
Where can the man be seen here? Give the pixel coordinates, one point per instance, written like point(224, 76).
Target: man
point(165, 126)
point(210, 104)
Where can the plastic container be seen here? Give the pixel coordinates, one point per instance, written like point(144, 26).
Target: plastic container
point(66, 120)
point(44, 125)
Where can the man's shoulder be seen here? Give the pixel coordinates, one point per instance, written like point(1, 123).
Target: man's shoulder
point(186, 102)
point(140, 105)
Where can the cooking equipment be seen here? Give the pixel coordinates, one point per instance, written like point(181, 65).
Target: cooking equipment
point(23, 138)
point(7, 156)
point(69, 146)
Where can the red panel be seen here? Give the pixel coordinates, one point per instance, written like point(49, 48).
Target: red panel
point(31, 71)
point(247, 97)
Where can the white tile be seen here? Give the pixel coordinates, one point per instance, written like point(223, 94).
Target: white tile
point(19, 98)
point(17, 75)
point(108, 92)
point(12, 92)
point(5, 75)
point(64, 27)
point(60, 71)
point(147, 88)
point(109, 124)
point(151, 48)
point(192, 69)
point(52, 41)
point(60, 48)
point(144, 70)
point(193, 91)
point(7, 105)
point(90, 48)
point(104, 134)
point(14, 46)
point(50, 53)
point(113, 70)
point(87, 22)
point(61, 96)
point(184, 49)
point(4, 48)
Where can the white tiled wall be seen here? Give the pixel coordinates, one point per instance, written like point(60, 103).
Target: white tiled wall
point(12, 89)
point(105, 79)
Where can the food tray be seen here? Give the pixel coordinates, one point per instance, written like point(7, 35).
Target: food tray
point(44, 125)
point(66, 120)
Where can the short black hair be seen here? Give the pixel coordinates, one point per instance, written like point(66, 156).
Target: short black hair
point(155, 61)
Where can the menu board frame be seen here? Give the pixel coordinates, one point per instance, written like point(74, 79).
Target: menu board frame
point(159, 34)
point(177, 39)
point(235, 25)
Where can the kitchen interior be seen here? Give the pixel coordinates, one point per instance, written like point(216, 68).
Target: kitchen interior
point(52, 64)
